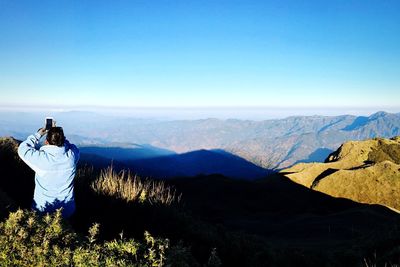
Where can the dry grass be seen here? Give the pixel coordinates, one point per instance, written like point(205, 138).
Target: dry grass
point(377, 184)
point(386, 151)
point(367, 171)
point(124, 185)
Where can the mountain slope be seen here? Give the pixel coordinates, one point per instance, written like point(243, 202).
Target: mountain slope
point(278, 209)
point(249, 222)
point(365, 171)
point(310, 139)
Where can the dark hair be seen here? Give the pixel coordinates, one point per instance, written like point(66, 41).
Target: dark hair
point(55, 136)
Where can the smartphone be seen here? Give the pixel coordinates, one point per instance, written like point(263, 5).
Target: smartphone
point(49, 123)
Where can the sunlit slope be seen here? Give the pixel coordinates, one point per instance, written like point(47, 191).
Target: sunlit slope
point(365, 171)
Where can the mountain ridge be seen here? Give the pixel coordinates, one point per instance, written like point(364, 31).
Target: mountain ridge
point(366, 171)
point(272, 144)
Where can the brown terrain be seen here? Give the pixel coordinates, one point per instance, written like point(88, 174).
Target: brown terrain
point(364, 171)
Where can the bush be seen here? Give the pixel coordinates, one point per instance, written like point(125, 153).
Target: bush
point(28, 239)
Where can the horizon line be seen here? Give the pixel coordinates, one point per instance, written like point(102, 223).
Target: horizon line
point(221, 113)
point(110, 107)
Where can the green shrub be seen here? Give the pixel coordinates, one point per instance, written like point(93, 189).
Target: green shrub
point(28, 239)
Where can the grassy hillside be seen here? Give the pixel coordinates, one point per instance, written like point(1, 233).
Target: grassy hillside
point(203, 221)
point(30, 239)
point(365, 171)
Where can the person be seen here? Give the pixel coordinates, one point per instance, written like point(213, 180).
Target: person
point(54, 164)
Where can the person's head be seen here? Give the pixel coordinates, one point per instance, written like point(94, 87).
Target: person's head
point(55, 136)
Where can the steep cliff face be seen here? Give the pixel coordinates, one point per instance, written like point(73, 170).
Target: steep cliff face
point(365, 171)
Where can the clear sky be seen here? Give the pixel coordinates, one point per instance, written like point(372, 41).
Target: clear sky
point(173, 53)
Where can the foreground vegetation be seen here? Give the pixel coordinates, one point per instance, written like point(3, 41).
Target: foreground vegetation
point(217, 222)
point(31, 239)
point(27, 239)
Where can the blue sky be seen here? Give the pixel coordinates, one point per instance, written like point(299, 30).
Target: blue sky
point(308, 54)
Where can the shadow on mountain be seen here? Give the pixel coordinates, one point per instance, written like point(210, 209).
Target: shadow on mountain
point(99, 162)
point(146, 164)
point(324, 174)
point(249, 222)
point(278, 208)
point(357, 123)
point(101, 157)
point(133, 152)
point(318, 155)
point(200, 162)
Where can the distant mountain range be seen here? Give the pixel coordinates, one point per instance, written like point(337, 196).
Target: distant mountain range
point(271, 144)
point(311, 139)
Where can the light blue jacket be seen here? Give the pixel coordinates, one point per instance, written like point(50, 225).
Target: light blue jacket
point(55, 169)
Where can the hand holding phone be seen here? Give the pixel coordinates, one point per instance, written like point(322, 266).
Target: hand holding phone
point(50, 122)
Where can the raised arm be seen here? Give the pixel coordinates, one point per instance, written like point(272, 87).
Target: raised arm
point(28, 152)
